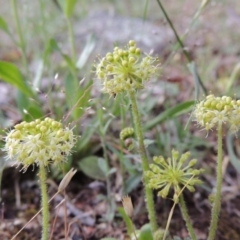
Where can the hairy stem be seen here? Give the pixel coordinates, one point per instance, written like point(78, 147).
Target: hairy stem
point(145, 164)
point(45, 213)
point(186, 217)
point(217, 198)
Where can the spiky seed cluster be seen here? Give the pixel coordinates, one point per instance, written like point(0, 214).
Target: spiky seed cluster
point(173, 173)
point(125, 69)
point(40, 142)
point(218, 110)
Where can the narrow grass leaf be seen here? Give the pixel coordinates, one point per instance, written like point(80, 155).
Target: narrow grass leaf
point(172, 112)
point(193, 70)
point(3, 25)
point(233, 158)
point(77, 96)
point(127, 220)
point(70, 5)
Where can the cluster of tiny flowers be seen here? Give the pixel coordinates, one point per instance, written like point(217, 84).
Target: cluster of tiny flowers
point(173, 173)
point(127, 133)
point(218, 110)
point(40, 142)
point(125, 69)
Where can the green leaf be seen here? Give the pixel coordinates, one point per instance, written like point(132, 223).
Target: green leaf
point(102, 163)
point(33, 109)
point(3, 25)
point(108, 239)
point(145, 232)
point(11, 74)
point(233, 158)
point(67, 6)
point(70, 4)
point(127, 220)
point(90, 166)
point(77, 96)
point(132, 182)
point(170, 113)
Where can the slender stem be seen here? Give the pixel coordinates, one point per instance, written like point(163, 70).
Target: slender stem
point(71, 39)
point(145, 164)
point(45, 213)
point(186, 217)
point(22, 43)
point(185, 52)
point(122, 167)
point(217, 198)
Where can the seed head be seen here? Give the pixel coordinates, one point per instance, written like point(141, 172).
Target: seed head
point(39, 142)
point(124, 70)
point(173, 173)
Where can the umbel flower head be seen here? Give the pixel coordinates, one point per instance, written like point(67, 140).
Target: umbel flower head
point(173, 173)
point(40, 142)
point(218, 110)
point(125, 69)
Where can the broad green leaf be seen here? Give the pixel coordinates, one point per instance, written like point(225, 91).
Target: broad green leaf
point(170, 113)
point(146, 233)
point(102, 163)
point(90, 167)
point(11, 74)
point(3, 25)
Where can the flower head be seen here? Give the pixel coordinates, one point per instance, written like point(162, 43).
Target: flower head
point(218, 110)
point(40, 142)
point(173, 173)
point(125, 69)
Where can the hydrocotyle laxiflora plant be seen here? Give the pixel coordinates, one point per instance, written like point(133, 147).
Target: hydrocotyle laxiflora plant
point(175, 172)
point(126, 70)
point(41, 143)
point(213, 112)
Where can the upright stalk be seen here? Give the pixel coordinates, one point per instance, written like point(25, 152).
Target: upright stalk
point(22, 43)
point(217, 198)
point(145, 164)
point(45, 213)
point(186, 217)
point(71, 39)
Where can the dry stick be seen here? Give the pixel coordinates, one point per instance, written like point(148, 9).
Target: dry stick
point(54, 222)
point(65, 216)
point(35, 215)
point(171, 212)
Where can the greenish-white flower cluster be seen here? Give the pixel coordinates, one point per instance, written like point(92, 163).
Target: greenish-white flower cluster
point(173, 173)
point(218, 110)
point(125, 69)
point(40, 142)
point(127, 133)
